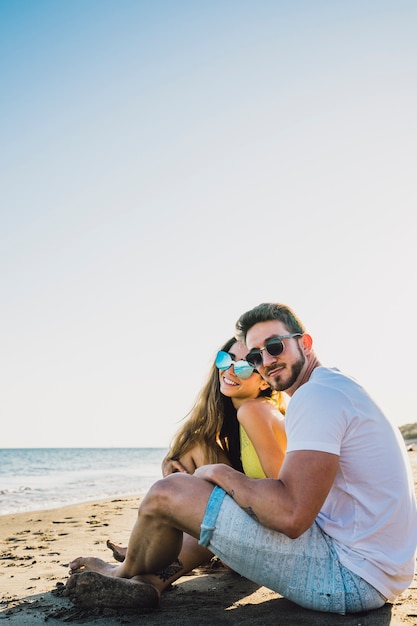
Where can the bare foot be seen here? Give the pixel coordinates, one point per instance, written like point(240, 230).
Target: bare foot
point(119, 552)
point(92, 564)
point(91, 589)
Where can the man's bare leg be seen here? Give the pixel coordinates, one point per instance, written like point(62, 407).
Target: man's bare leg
point(191, 556)
point(92, 587)
point(173, 506)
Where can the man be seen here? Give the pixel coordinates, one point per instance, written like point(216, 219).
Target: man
point(336, 532)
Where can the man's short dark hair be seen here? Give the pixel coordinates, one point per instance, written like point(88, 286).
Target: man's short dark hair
point(266, 312)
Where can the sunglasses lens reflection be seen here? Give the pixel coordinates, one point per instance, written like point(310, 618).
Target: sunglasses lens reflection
point(223, 360)
point(242, 368)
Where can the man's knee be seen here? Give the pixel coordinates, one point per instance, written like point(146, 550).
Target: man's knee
point(163, 497)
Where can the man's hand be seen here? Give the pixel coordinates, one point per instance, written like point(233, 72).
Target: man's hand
point(289, 504)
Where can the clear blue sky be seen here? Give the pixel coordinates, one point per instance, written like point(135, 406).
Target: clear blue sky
point(167, 165)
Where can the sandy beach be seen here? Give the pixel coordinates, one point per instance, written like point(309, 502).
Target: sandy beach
point(37, 547)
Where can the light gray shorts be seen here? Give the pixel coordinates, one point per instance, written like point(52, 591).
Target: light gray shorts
point(305, 570)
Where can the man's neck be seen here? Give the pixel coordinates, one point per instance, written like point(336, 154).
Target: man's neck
point(311, 364)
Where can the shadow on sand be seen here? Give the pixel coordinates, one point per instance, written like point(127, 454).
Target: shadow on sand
point(207, 600)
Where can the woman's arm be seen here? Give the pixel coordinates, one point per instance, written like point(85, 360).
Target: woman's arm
point(189, 461)
point(264, 425)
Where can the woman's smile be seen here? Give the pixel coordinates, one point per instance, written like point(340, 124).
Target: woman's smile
point(228, 381)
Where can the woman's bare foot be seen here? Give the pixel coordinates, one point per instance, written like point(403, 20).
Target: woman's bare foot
point(92, 564)
point(119, 552)
point(91, 589)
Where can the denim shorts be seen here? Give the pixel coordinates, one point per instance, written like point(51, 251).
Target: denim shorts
point(305, 570)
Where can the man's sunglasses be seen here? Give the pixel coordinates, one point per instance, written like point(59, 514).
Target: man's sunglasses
point(241, 368)
point(274, 346)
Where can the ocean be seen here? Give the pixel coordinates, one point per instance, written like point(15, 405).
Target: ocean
point(32, 479)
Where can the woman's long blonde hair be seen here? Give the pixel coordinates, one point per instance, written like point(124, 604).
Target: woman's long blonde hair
point(212, 422)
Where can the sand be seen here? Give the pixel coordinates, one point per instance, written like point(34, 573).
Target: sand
point(37, 547)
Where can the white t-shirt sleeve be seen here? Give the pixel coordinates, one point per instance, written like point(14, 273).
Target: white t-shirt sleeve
point(311, 420)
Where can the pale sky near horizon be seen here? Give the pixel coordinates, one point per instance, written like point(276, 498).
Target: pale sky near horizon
point(167, 165)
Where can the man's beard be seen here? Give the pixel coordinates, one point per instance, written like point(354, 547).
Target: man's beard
point(296, 368)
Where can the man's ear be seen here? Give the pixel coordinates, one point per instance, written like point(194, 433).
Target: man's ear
point(307, 343)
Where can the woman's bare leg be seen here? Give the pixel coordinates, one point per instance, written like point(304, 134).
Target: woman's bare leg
point(119, 552)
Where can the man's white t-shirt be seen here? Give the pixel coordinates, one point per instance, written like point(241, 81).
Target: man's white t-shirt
point(370, 511)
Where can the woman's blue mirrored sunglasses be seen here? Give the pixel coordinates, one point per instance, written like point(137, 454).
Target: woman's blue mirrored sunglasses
point(241, 368)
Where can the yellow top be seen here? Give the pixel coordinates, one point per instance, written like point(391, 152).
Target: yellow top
point(250, 460)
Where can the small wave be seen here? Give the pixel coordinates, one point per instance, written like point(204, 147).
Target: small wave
point(17, 490)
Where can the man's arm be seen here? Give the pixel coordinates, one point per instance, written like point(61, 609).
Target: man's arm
point(289, 504)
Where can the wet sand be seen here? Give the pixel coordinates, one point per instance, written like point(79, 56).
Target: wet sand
point(36, 549)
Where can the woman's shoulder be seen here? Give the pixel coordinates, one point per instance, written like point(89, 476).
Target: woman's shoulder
point(259, 407)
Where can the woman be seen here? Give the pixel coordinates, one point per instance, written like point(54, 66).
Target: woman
point(236, 420)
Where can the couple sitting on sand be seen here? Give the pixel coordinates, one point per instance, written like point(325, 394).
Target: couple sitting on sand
point(332, 526)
